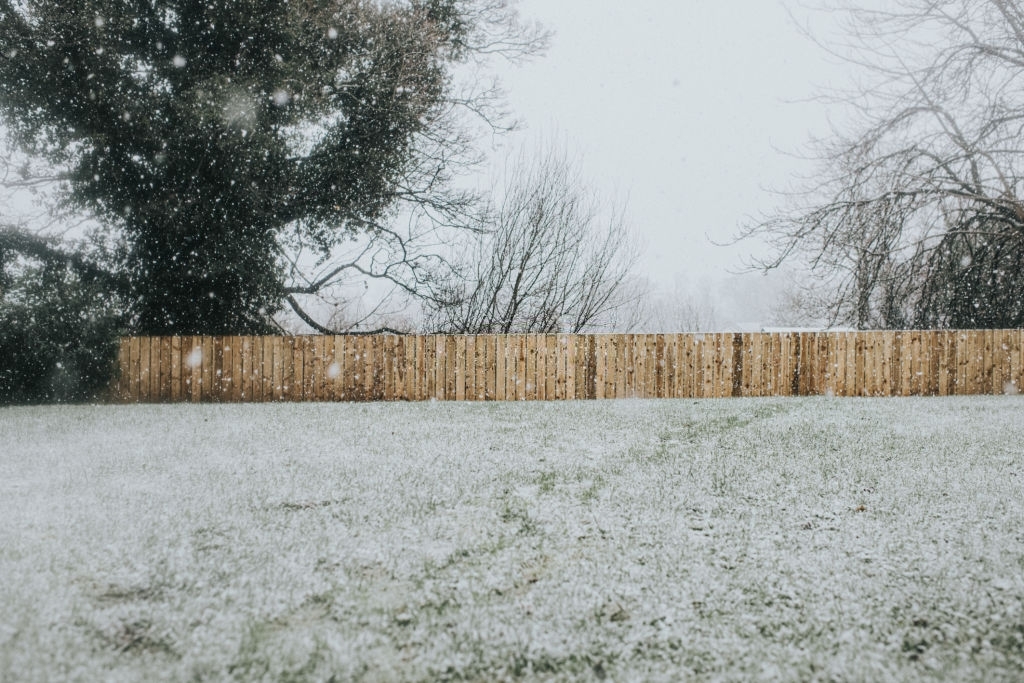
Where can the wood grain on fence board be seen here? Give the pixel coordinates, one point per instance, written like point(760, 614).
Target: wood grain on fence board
point(151, 382)
point(1012, 341)
point(492, 367)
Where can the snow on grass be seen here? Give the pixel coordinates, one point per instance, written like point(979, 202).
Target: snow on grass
point(793, 539)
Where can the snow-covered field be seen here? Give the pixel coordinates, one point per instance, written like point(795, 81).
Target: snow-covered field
point(791, 539)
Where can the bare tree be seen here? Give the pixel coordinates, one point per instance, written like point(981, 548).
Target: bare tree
point(683, 308)
point(381, 275)
point(548, 258)
point(917, 218)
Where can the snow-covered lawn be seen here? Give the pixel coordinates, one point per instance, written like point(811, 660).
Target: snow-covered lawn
point(791, 539)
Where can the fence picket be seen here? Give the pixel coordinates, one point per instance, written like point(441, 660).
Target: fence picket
point(484, 367)
point(1014, 352)
point(314, 378)
point(505, 378)
point(1018, 340)
point(993, 377)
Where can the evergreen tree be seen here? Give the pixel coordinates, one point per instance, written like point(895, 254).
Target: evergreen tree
point(58, 324)
point(208, 134)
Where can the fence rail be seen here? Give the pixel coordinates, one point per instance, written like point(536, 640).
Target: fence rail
point(566, 367)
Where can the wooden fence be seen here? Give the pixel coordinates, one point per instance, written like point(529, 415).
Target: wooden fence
point(557, 367)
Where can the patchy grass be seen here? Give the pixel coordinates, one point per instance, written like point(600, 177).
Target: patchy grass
point(799, 539)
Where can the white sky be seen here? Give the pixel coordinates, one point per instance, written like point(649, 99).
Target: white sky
point(686, 106)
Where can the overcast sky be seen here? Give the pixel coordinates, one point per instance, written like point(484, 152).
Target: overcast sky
point(686, 106)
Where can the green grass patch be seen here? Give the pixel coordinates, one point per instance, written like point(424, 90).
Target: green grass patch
point(790, 539)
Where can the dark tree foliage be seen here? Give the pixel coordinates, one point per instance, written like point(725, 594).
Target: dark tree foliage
point(209, 133)
point(58, 327)
point(975, 282)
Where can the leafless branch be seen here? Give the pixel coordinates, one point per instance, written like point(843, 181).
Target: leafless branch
point(918, 219)
point(550, 261)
